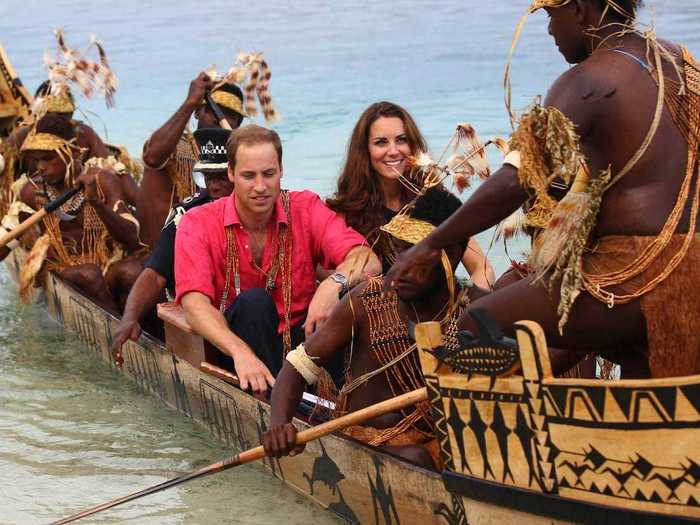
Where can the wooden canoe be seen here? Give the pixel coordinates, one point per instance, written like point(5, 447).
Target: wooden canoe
point(356, 482)
point(582, 451)
point(572, 450)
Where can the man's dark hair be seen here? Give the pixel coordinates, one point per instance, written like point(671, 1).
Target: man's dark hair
point(44, 89)
point(629, 8)
point(231, 88)
point(56, 125)
point(436, 206)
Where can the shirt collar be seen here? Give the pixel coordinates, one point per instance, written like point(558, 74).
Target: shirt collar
point(231, 214)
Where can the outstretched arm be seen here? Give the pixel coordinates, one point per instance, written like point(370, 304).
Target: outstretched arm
point(321, 347)
point(143, 297)
point(492, 202)
point(163, 142)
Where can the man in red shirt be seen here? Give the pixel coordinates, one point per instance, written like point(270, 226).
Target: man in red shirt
point(245, 265)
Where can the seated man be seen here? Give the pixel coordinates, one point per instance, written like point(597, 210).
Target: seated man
point(170, 153)
point(158, 275)
point(245, 265)
point(383, 362)
point(85, 237)
point(624, 244)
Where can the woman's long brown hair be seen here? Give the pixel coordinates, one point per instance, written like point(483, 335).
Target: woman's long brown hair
point(359, 196)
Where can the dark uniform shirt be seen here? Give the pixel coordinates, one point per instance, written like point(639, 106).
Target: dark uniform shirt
point(162, 257)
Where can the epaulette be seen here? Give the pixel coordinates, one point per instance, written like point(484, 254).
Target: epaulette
point(177, 211)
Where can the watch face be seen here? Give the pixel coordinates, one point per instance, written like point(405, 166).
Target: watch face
point(339, 278)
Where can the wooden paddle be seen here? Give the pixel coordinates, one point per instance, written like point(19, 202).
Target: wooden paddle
point(49, 207)
point(355, 418)
point(217, 112)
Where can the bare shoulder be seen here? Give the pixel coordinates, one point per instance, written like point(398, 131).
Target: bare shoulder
point(581, 92)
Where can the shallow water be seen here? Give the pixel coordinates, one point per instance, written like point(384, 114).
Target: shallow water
point(73, 434)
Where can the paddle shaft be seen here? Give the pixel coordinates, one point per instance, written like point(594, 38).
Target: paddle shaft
point(217, 112)
point(37, 216)
point(355, 418)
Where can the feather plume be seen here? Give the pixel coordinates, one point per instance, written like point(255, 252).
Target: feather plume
point(72, 67)
point(254, 68)
point(512, 226)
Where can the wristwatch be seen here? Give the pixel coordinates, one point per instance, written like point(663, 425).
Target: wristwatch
point(342, 280)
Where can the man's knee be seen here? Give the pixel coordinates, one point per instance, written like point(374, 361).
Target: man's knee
point(254, 304)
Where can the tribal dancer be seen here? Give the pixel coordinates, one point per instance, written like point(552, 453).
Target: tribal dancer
point(54, 97)
point(616, 266)
point(382, 361)
point(158, 275)
point(171, 152)
point(88, 235)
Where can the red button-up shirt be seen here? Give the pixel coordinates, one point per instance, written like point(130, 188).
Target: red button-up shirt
point(319, 236)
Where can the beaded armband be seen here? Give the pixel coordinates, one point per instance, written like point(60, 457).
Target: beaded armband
point(303, 364)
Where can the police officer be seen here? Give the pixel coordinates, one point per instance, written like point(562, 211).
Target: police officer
point(158, 277)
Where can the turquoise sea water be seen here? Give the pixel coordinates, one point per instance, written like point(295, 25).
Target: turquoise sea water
point(442, 60)
point(70, 428)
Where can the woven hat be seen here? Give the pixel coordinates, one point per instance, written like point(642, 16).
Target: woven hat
point(414, 223)
point(229, 96)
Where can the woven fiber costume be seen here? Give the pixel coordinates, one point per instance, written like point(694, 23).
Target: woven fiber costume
point(389, 342)
point(618, 269)
point(95, 246)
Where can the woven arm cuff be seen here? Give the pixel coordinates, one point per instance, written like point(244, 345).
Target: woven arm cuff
point(513, 159)
point(303, 364)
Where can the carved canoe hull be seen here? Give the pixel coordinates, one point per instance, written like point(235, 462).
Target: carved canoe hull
point(569, 449)
point(352, 480)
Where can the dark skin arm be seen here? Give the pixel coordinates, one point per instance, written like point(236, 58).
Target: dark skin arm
point(330, 339)
point(143, 297)
point(87, 138)
point(120, 229)
point(501, 194)
point(163, 142)
point(492, 202)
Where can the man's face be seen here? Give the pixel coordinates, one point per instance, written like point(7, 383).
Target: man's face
point(417, 283)
point(256, 178)
point(218, 184)
point(207, 119)
point(49, 167)
point(568, 33)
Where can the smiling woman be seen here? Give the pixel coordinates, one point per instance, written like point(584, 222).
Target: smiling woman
point(371, 187)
